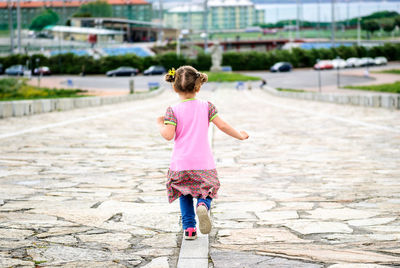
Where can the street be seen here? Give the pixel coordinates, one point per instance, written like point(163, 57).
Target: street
point(315, 185)
point(306, 79)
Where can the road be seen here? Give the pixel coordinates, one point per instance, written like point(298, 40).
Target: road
point(315, 185)
point(298, 79)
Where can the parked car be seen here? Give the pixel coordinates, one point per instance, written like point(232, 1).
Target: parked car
point(367, 61)
point(42, 70)
point(15, 70)
point(281, 67)
point(323, 65)
point(154, 70)
point(380, 61)
point(353, 62)
point(339, 63)
point(123, 71)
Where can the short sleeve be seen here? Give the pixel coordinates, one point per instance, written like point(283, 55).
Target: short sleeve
point(169, 117)
point(212, 111)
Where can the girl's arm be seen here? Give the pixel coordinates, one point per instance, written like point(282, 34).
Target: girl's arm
point(226, 128)
point(166, 130)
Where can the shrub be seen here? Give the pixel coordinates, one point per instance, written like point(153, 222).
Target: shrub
point(252, 60)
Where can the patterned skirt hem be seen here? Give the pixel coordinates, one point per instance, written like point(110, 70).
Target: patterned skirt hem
point(198, 183)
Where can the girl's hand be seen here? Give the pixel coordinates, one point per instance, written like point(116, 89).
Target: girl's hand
point(244, 135)
point(160, 120)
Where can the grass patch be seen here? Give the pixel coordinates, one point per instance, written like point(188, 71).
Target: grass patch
point(39, 262)
point(391, 71)
point(18, 89)
point(290, 90)
point(229, 77)
point(389, 88)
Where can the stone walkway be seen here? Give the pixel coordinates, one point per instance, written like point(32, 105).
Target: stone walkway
point(89, 193)
point(316, 185)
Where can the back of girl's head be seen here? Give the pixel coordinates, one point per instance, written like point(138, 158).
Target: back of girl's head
point(187, 79)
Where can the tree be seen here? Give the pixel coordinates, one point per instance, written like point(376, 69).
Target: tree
point(388, 25)
point(98, 8)
point(370, 26)
point(47, 17)
point(397, 21)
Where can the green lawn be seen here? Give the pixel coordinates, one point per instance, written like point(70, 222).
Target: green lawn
point(4, 33)
point(392, 71)
point(290, 89)
point(18, 89)
point(389, 88)
point(312, 33)
point(229, 77)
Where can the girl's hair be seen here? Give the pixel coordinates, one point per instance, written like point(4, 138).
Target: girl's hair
point(187, 79)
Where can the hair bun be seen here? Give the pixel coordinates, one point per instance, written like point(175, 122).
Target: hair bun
point(170, 78)
point(203, 78)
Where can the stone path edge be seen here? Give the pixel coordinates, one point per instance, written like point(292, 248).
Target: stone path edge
point(30, 107)
point(387, 101)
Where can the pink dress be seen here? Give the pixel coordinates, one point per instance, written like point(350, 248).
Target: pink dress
point(192, 170)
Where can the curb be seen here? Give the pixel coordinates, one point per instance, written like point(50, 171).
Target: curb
point(30, 107)
point(387, 101)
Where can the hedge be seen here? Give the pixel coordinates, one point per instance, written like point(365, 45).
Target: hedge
point(252, 60)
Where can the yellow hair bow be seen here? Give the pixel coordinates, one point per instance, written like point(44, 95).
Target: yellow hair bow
point(171, 72)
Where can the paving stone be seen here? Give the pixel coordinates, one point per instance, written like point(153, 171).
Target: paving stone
point(274, 217)
point(161, 241)
point(295, 206)
point(237, 259)
point(15, 234)
point(57, 231)
point(59, 254)
point(315, 227)
point(117, 241)
point(244, 206)
point(368, 222)
point(161, 262)
point(340, 214)
point(356, 265)
point(155, 252)
point(65, 240)
point(9, 262)
point(257, 236)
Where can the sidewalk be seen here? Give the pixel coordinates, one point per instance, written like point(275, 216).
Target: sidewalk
point(376, 79)
point(313, 186)
point(88, 190)
point(316, 185)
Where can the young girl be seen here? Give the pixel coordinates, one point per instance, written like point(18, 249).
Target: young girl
point(192, 172)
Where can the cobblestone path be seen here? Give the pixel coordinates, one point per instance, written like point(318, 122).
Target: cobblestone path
point(316, 185)
point(89, 190)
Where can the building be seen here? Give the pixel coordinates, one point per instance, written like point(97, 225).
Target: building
point(134, 30)
point(128, 9)
point(222, 15)
point(83, 34)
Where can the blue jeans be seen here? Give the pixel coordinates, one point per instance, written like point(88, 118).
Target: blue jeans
point(187, 210)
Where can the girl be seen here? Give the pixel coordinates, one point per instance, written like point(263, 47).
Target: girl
point(192, 172)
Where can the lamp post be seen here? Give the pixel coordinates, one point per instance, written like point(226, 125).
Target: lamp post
point(358, 25)
point(178, 44)
point(319, 77)
point(333, 27)
point(11, 26)
point(19, 25)
point(338, 72)
point(160, 29)
point(40, 73)
point(205, 22)
point(298, 19)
